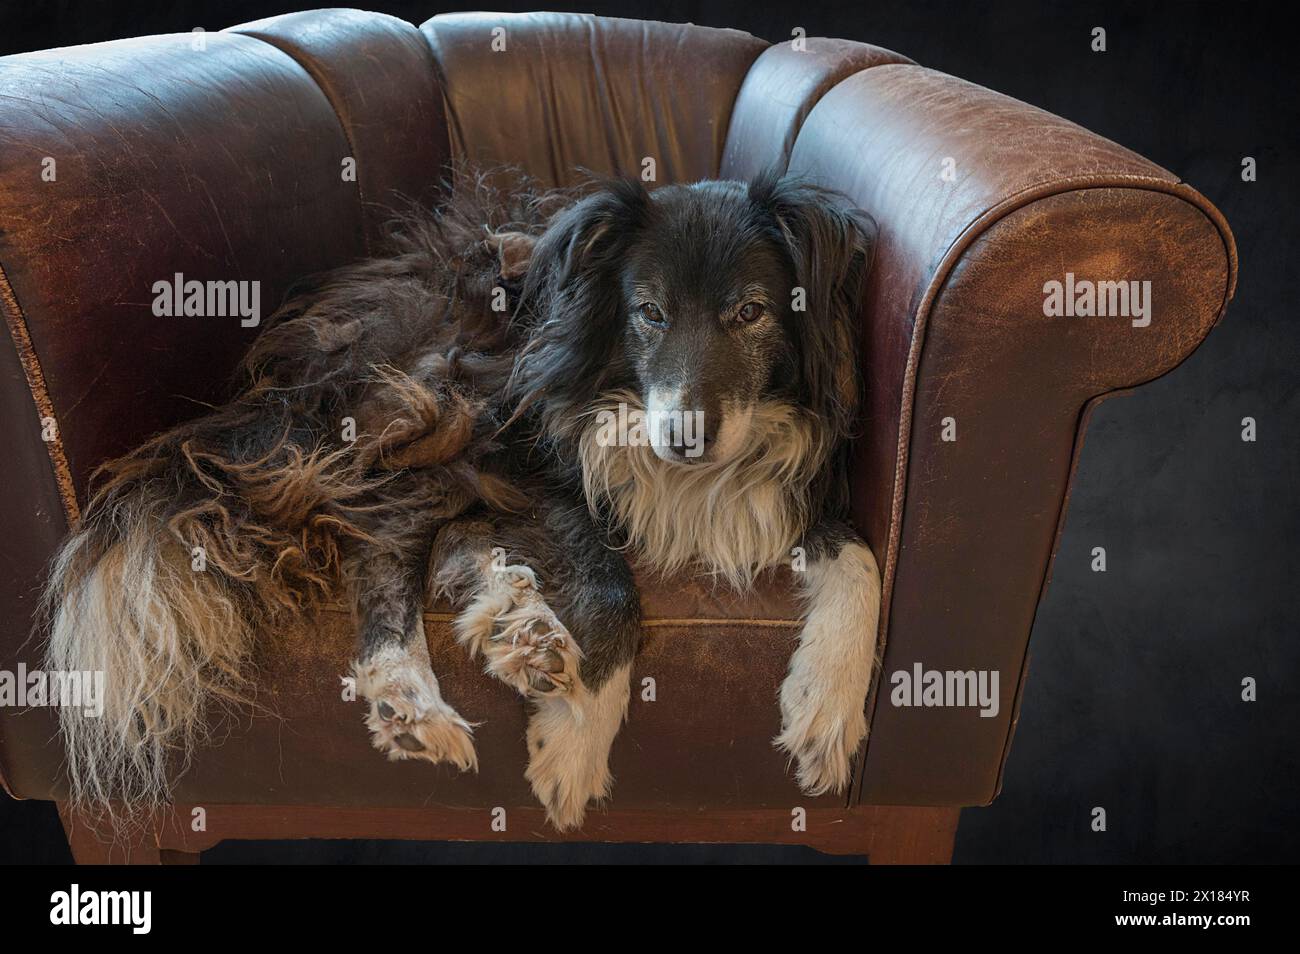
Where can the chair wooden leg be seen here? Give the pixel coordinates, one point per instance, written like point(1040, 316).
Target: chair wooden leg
point(168, 856)
point(94, 842)
point(913, 836)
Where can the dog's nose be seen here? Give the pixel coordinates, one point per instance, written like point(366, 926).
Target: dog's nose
point(684, 425)
point(688, 455)
point(689, 435)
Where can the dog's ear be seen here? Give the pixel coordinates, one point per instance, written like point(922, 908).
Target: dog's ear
point(589, 233)
point(575, 298)
point(831, 245)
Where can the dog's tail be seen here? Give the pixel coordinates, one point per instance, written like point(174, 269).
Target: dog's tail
point(196, 539)
point(124, 601)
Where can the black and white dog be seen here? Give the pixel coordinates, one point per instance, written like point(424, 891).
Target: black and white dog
point(721, 319)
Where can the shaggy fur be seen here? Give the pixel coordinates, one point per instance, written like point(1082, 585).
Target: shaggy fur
point(277, 506)
point(477, 472)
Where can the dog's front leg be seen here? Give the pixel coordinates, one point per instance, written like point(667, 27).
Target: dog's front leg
point(578, 689)
point(823, 698)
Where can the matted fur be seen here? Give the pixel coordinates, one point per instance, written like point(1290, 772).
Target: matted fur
point(167, 639)
point(273, 498)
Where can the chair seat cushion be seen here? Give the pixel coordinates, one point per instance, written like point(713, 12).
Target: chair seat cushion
point(703, 713)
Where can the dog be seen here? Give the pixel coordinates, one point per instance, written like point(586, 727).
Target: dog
point(480, 367)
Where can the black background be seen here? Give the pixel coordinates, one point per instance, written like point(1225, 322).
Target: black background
point(1133, 701)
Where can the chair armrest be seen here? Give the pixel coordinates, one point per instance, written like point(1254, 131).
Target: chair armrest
point(218, 157)
point(982, 202)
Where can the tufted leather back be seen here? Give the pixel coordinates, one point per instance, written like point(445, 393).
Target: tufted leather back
point(554, 92)
point(123, 164)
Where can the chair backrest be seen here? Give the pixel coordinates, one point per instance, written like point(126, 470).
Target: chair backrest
point(552, 92)
point(217, 157)
point(278, 148)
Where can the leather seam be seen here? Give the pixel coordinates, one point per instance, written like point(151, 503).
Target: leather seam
point(450, 117)
point(16, 321)
point(731, 109)
point(326, 91)
point(965, 239)
point(652, 623)
point(802, 116)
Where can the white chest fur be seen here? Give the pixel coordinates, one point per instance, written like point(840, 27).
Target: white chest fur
point(732, 518)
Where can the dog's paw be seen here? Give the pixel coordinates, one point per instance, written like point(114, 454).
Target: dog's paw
point(569, 740)
point(408, 718)
point(403, 730)
point(532, 651)
point(525, 644)
point(822, 724)
point(566, 768)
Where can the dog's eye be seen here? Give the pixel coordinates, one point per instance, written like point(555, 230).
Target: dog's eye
point(751, 311)
point(651, 313)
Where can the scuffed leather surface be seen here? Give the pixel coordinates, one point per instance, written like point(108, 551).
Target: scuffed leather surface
point(221, 165)
point(574, 90)
point(955, 328)
point(881, 136)
point(686, 597)
point(378, 74)
point(982, 512)
point(782, 87)
point(309, 746)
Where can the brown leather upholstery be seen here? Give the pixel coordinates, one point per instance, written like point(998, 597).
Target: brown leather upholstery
point(958, 331)
point(217, 164)
point(225, 164)
point(674, 752)
point(781, 88)
point(572, 90)
point(377, 73)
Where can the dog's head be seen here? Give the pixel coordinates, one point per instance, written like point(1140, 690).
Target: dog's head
point(706, 301)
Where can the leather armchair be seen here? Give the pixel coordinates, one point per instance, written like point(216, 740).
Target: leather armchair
point(220, 156)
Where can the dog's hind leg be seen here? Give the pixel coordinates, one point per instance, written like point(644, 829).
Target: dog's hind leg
point(408, 718)
point(823, 697)
point(578, 707)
